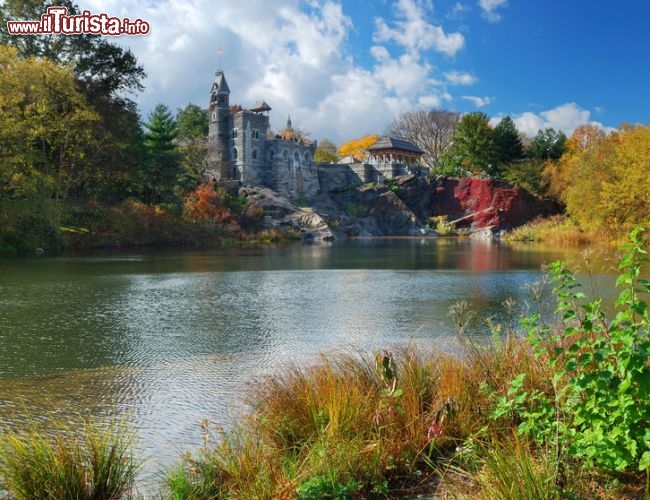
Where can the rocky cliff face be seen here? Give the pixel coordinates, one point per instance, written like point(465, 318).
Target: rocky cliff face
point(475, 203)
point(404, 206)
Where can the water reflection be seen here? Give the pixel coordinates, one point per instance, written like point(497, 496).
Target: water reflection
point(169, 339)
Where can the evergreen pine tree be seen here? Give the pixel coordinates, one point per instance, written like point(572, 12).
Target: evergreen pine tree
point(508, 146)
point(162, 164)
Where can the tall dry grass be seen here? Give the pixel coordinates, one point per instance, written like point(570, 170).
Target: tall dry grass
point(558, 229)
point(355, 424)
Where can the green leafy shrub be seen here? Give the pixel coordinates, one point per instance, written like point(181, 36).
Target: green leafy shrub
point(322, 487)
point(598, 409)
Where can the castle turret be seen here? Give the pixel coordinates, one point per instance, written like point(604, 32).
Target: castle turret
point(219, 128)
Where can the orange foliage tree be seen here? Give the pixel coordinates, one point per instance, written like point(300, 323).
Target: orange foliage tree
point(208, 203)
point(357, 147)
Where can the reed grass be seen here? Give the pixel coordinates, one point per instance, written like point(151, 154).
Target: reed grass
point(95, 463)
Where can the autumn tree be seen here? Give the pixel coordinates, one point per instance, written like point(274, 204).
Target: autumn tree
point(357, 148)
point(45, 148)
point(430, 130)
point(626, 197)
point(473, 147)
point(107, 74)
point(602, 178)
point(577, 157)
point(208, 203)
point(326, 152)
point(46, 128)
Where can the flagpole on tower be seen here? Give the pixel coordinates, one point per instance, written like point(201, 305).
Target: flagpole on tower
point(220, 55)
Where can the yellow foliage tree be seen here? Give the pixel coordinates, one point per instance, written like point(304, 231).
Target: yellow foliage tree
point(602, 178)
point(580, 147)
point(357, 147)
point(46, 128)
point(626, 198)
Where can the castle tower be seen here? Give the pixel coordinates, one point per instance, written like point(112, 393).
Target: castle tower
point(220, 125)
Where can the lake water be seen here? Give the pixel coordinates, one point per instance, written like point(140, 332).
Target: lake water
point(167, 340)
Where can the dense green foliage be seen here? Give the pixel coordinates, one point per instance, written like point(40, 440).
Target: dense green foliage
point(548, 144)
point(473, 149)
point(507, 143)
point(162, 164)
point(192, 122)
point(106, 74)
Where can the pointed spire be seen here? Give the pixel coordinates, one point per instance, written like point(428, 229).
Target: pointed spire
point(289, 127)
point(220, 84)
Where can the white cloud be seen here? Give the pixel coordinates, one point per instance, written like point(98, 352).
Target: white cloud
point(460, 78)
point(489, 8)
point(436, 101)
point(294, 56)
point(413, 32)
point(457, 11)
point(566, 117)
point(479, 102)
point(405, 75)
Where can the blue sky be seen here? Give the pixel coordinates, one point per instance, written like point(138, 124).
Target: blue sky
point(342, 69)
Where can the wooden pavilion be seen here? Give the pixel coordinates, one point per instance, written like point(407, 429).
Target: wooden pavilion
point(394, 150)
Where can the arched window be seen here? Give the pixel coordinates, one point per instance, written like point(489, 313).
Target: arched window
point(234, 153)
point(296, 158)
point(234, 133)
point(306, 158)
point(256, 133)
point(254, 154)
point(214, 116)
point(271, 154)
point(285, 154)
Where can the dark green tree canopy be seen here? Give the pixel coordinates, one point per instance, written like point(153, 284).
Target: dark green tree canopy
point(162, 164)
point(106, 73)
point(507, 143)
point(548, 144)
point(193, 126)
point(473, 147)
point(192, 122)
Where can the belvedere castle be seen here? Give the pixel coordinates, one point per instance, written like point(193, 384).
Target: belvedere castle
point(242, 148)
